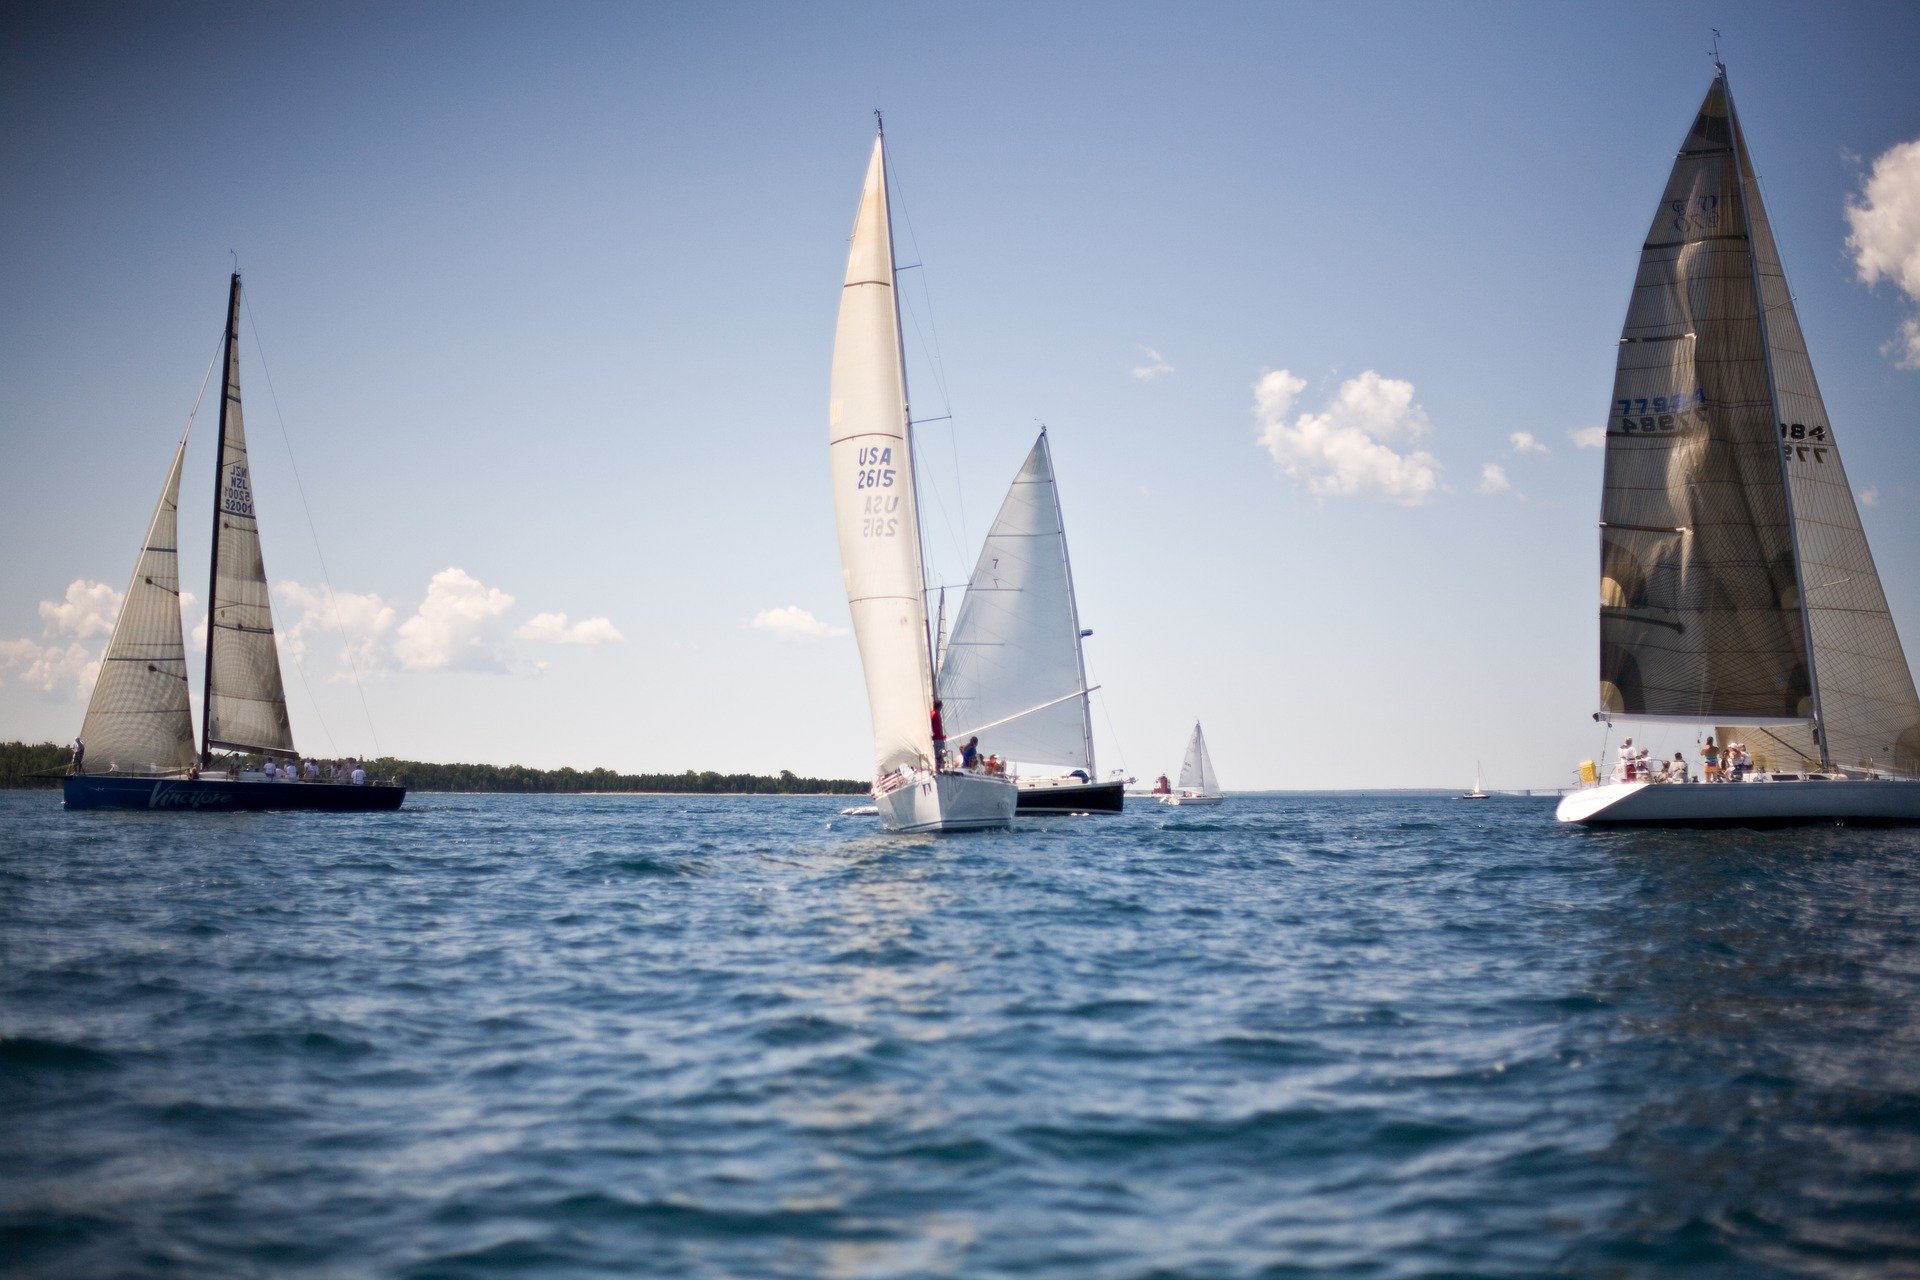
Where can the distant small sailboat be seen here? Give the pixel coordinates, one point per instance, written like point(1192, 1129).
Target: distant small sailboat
point(1198, 784)
point(1013, 669)
point(1737, 592)
point(1476, 793)
point(138, 730)
point(876, 509)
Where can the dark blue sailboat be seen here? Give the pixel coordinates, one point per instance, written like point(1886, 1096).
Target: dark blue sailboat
point(138, 732)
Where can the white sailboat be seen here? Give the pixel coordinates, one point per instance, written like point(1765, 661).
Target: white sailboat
point(1013, 670)
point(877, 514)
point(1198, 783)
point(1737, 592)
point(1477, 793)
point(138, 731)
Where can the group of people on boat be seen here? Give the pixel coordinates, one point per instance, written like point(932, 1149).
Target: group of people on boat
point(1730, 763)
point(970, 757)
point(348, 771)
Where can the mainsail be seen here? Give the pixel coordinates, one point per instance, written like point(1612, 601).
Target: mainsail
point(1014, 660)
point(1196, 770)
point(138, 718)
point(873, 493)
point(1736, 586)
point(246, 704)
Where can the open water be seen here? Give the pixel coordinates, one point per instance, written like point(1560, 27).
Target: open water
point(1293, 1036)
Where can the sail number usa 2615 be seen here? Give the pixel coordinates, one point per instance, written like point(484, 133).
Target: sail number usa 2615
point(880, 516)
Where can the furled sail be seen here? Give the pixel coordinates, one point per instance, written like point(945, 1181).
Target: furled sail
point(246, 704)
point(1699, 596)
point(1013, 660)
point(138, 719)
point(873, 492)
point(1869, 714)
point(1196, 770)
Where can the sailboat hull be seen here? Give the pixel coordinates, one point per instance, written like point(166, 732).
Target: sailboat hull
point(1884, 801)
point(1191, 798)
point(1069, 795)
point(933, 802)
point(98, 791)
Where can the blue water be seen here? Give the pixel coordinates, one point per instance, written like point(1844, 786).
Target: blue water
point(1292, 1036)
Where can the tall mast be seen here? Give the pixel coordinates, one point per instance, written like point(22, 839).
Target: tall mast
point(1743, 178)
point(219, 474)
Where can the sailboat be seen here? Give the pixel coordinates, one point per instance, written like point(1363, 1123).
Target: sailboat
point(1198, 784)
point(1477, 793)
point(874, 495)
point(1013, 669)
point(1737, 592)
point(138, 731)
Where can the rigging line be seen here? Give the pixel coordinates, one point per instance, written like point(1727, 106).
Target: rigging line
point(326, 576)
point(1107, 715)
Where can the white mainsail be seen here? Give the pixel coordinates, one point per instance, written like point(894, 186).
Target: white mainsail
point(1196, 770)
point(246, 704)
point(1014, 660)
point(873, 492)
point(1736, 584)
point(139, 717)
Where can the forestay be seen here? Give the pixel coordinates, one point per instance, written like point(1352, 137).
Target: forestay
point(873, 495)
point(246, 703)
point(1015, 645)
point(139, 719)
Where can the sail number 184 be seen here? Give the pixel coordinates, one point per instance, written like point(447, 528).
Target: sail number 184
point(1804, 443)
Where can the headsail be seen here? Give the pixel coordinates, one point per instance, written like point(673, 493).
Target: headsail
point(873, 493)
point(1196, 770)
point(1015, 646)
point(139, 717)
point(1736, 585)
point(246, 703)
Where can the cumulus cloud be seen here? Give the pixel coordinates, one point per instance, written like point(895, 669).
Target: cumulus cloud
point(553, 628)
point(1870, 496)
point(794, 625)
point(458, 627)
point(1588, 437)
point(1885, 237)
point(1493, 479)
point(359, 622)
point(87, 611)
point(1361, 442)
point(1523, 443)
point(1155, 366)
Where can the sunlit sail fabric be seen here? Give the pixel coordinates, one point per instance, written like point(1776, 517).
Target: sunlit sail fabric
point(1196, 769)
point(1699, 597)
point(873, 496)
point(246, 704)
point(139, 719)
point(1015, 645)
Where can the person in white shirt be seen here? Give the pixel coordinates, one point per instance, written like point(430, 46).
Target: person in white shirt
point(1623, 771)
point(271, 770)
point(359, 776)
point(1677, 771)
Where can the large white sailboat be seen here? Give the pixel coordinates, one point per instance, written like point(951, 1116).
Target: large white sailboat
point(877, 513)
point(1737, 592)
point(138, 731)
point(1013, 671)
point(1198, 783)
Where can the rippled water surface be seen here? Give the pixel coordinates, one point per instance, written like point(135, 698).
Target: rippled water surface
point(1292, 1036)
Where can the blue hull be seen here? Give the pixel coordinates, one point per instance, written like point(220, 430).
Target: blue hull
point(96, 791)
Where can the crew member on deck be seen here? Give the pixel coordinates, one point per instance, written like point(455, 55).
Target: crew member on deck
point(79, 755)
point(970, 754)
point(939, 738)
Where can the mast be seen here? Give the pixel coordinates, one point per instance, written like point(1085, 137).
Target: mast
point(1073, 613)
point(219, 475)
point(1743, 178)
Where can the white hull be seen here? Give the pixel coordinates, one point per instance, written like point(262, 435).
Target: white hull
point(1884, 800)
point(948, 802)
point(1191, 797)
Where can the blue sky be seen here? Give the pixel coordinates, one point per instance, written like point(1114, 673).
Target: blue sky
point(545, 294)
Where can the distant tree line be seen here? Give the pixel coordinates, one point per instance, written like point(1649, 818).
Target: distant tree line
point(42, 764)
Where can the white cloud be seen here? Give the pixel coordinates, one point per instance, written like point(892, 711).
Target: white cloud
point(1155, 366)
point(459, 626)
point(1349, 446)
point(1588, 437)
point(552, 628)
point(1870, 496)
point(794, 625)
point(359, 621)
point(1885, 237)
point(88, 610)
point(1523, 442)
point(1493, 479)
point(59, 670)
